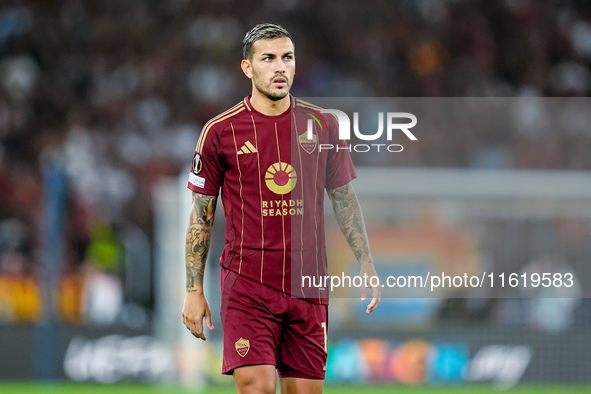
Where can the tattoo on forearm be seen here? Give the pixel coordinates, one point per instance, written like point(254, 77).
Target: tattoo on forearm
point(198, 238)
point(350, 219)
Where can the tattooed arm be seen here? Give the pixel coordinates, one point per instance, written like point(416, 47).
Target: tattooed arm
point(350, 219)
point(196, 307)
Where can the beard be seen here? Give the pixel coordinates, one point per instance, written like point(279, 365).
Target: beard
point(271, 92)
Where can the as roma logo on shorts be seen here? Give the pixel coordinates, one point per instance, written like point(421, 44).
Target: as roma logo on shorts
point(281, 178)
point(242, 346)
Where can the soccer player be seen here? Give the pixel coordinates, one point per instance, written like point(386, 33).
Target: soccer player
point(272, 179)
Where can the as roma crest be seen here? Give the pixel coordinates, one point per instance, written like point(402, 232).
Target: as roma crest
point(242, 346)
point(308, 145)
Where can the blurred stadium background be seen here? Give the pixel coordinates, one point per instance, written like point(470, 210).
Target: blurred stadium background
point(101, 105)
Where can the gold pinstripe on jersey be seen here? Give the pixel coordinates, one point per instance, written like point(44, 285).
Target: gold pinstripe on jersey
point(241, 199)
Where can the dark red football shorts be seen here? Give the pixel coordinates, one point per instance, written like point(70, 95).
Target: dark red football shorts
point(263, 326)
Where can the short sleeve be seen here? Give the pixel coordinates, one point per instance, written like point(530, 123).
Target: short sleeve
point(206, 174)
point(339, 167)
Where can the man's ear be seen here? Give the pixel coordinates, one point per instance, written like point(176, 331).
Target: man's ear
point(246, 68)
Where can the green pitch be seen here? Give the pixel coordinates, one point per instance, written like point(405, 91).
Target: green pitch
point(73, 388)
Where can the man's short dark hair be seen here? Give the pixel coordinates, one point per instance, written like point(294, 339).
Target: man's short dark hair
point(263, 31)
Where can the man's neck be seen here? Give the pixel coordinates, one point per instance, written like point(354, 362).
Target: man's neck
point(267, 106)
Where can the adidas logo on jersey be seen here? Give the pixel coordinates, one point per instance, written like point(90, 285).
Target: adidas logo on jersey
point(247, 148)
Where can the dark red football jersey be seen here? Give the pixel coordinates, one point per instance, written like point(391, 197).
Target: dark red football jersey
point(272, 180)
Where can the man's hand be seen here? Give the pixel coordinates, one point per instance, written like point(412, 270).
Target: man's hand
point(368, 271)
point(348, 213)
point(195, 309)
point(197, 246)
